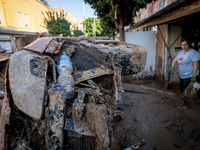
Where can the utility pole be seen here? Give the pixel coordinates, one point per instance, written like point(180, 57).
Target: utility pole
point(84, 17)
point(94, 27)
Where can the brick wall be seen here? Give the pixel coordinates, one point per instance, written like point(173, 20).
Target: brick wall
point(150, 9)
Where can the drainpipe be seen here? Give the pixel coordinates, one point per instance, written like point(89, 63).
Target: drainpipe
point(84, 16)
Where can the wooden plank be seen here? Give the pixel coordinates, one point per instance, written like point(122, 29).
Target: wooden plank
point(4, 57)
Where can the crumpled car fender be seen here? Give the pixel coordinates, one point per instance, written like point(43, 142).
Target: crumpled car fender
point(27, 82)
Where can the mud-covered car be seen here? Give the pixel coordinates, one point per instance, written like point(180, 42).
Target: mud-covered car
point(36, 116)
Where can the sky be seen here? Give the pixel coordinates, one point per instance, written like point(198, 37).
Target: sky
point(74, 6)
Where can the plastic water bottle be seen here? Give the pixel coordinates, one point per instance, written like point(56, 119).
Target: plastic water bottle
point(65, 78)
point(64, 63)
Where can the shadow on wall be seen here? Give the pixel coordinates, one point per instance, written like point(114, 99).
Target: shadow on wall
point(148, 40)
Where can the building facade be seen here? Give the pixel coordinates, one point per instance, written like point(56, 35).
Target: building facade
point(25, 15)
point(75, 22)
point(21, 21)
point(176, 21)
point(151, 9)
point(22, 15)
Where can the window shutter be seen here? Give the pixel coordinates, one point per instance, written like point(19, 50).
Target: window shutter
point(26, 20)
point(20, 19)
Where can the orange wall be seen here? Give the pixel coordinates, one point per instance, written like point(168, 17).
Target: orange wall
point(32, 8)
point(38, 7)
point(11, 20)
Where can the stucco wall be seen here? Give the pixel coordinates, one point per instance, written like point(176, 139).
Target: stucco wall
point(146, 39)
point(38, 7)
point(11, 8)
point(32, 8)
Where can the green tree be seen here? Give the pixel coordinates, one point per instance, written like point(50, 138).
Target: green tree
point(77, 33)
point(56, 23)
point(99, 27)
point(108, 27)
point(89, 26)
point(89, 22)
point(121, 12)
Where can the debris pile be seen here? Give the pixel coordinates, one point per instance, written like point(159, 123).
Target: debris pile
point(39, 107)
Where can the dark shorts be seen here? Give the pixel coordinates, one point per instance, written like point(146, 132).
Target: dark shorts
point(185, 82)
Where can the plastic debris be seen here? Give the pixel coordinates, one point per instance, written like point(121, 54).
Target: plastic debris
point(121, 90)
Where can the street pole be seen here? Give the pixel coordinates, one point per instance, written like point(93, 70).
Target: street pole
point(84, 17)
point(94, 28)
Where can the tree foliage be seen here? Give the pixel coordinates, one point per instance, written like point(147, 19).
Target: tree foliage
point(90, 27)
point(119, 12)
point(56, 23)
point(77, 33)
point(108, 27)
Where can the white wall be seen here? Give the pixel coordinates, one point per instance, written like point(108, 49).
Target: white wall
point(5, 43)
point(147, 39)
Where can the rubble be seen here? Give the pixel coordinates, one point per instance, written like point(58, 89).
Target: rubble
point(38, 110)
point(117, 117)
point(56, 113)
point(136, 146)
point(97, 117)
point(191, 91)
point(122, 107)
point(92, 73)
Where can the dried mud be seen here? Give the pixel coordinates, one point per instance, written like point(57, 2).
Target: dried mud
point(154, 115)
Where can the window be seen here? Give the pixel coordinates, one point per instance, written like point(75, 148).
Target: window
point(165, 3)
point(20, 20)
point(161, 5)
point(143, 16)
point(25, 20)
point(1, 21)
point(154, 11)
point(1, 17)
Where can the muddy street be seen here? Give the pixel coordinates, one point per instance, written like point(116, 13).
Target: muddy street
point(154, 115)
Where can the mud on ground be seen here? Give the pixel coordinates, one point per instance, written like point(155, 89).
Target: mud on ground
point(153, 114)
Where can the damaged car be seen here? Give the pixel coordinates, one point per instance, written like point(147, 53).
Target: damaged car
point(38, 114)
